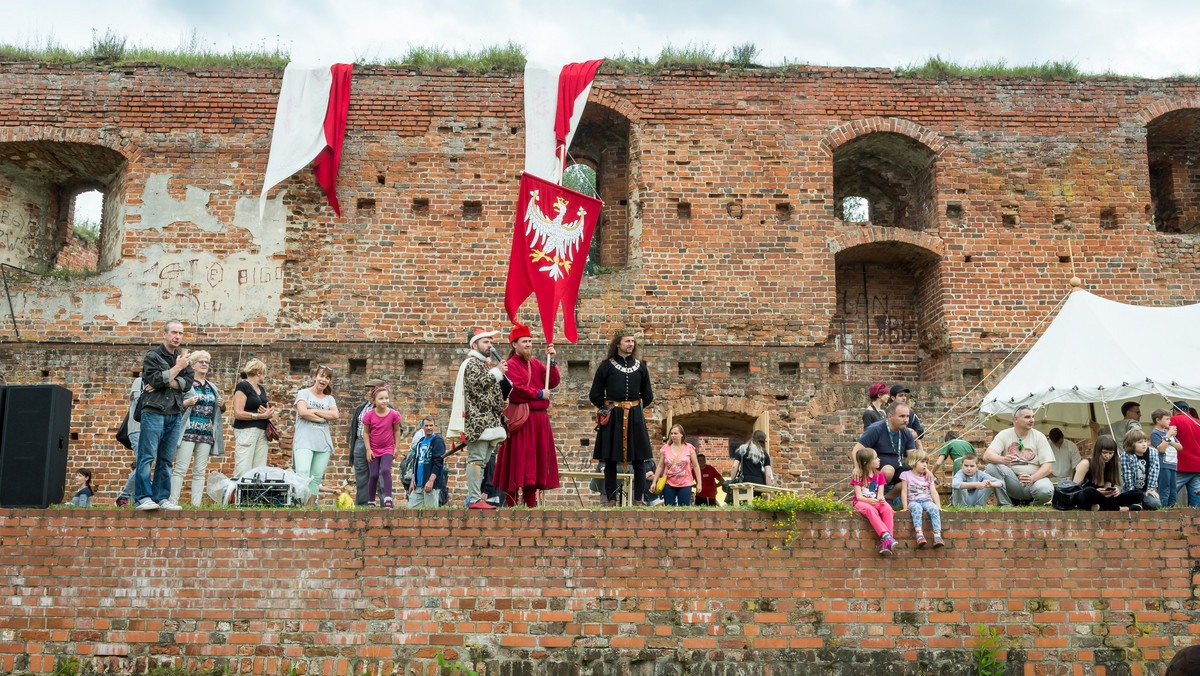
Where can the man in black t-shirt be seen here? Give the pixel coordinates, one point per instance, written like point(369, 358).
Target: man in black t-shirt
point(891, 439)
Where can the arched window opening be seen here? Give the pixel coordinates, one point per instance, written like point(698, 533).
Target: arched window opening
point(1173, 150)
point(889, 324)
point(889, 176)
point(602, 144)
point(44, 185)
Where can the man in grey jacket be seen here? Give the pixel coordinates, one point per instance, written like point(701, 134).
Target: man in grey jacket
point(166, 376)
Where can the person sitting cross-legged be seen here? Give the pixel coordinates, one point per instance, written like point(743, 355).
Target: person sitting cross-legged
point(1021, 457)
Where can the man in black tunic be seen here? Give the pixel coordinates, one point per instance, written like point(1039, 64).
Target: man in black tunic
point(623, 383)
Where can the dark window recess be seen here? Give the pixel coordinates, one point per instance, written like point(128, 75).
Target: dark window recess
point(366, 204)
point(420, 205)
point(472, 209)
point(954, 212)
point(1064, 259)
point(46, 374)
point(689, 368)
point(789, 368)
point(413, 366)
point(299, 367)
point(1059, 219)
point(783, 211)
point(835, 369)
point(380, 179)
point(966, 259)
point(357, 367)
point(74, 436)
point(582, 366)
point(684, 211)
point(1010, 219)
point(739, 369)
point(972, 377)
point(1108, 219)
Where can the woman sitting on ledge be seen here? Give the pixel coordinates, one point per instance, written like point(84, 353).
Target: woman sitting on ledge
point(1100, 479)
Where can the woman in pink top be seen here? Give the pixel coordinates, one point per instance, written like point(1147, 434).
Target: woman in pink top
point(677, 461)
point(381, 427)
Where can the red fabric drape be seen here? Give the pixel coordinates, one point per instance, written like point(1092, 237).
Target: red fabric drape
point(325, 167)
point(575, 77)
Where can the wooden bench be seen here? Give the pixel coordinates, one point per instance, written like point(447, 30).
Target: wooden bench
point(743, 493)
point(625, 479)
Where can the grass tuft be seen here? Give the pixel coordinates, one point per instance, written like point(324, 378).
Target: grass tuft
point(508, 57)
point(937, 68)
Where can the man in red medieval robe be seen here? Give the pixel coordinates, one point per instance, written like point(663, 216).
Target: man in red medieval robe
point(527, 461)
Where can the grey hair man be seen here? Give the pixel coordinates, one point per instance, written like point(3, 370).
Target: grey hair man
point(1022, 458)
point(166, 376)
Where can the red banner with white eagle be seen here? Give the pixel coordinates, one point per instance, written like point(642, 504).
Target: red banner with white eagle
point(550, 245)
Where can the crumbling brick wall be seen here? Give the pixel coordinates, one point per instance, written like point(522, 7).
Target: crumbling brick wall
point(1031, 182)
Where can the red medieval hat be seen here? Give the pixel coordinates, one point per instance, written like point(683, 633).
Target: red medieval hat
point(519, 331)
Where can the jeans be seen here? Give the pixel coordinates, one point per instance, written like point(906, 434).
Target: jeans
point(1166, 486)
point(183, 458)
point(127, 492)
point(362, 473)
point(311, 465)
point(1192, 481)
point(921, 507)
point(677, 497)
point(156, 455)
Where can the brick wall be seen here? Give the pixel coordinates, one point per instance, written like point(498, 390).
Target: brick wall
point(77, 256)
point(1008, 188)
point(596, 592)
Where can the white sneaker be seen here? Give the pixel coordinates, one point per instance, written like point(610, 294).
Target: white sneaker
point(170, 506)
point(147, 505)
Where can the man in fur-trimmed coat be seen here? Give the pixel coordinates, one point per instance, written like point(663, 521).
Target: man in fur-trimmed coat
point(475, 414)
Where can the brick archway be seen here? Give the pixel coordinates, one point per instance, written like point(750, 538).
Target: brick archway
point(853, 129)
point(1159, 108)
point(608, 99)
point(724, 416)
point(876, 235)
point(131, 152)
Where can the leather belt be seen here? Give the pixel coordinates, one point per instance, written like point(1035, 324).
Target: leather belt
point(624, 425)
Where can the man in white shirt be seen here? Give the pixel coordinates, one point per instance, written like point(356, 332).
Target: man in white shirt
point(1066, 456)
point(1022, 458)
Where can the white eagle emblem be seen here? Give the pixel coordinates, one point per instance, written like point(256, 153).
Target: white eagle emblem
point(554, 240)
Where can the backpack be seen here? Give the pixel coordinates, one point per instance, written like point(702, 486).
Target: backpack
point(1066, 495)
point(408, 468)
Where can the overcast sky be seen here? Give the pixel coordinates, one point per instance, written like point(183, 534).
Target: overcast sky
point(1152, 38)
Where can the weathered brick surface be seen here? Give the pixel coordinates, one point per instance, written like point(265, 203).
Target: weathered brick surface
point(585, 591)
point(1014, 186)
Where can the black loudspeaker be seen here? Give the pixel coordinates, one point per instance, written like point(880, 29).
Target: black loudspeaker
point(35, 429)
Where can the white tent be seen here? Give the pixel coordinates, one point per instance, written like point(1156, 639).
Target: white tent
point(1096, 355)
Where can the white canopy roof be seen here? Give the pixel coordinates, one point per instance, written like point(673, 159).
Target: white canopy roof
point(1102, 353)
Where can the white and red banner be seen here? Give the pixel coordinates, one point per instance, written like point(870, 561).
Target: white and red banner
point(554, 224)
point(555, 95)
point(310, 125)
point(550, 245)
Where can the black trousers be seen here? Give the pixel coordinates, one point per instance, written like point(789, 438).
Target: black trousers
point(610, 479)
point(1092, 496)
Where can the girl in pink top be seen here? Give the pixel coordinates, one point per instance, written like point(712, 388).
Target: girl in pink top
point(381, 427)
point(869, 500)
point(677, 459)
